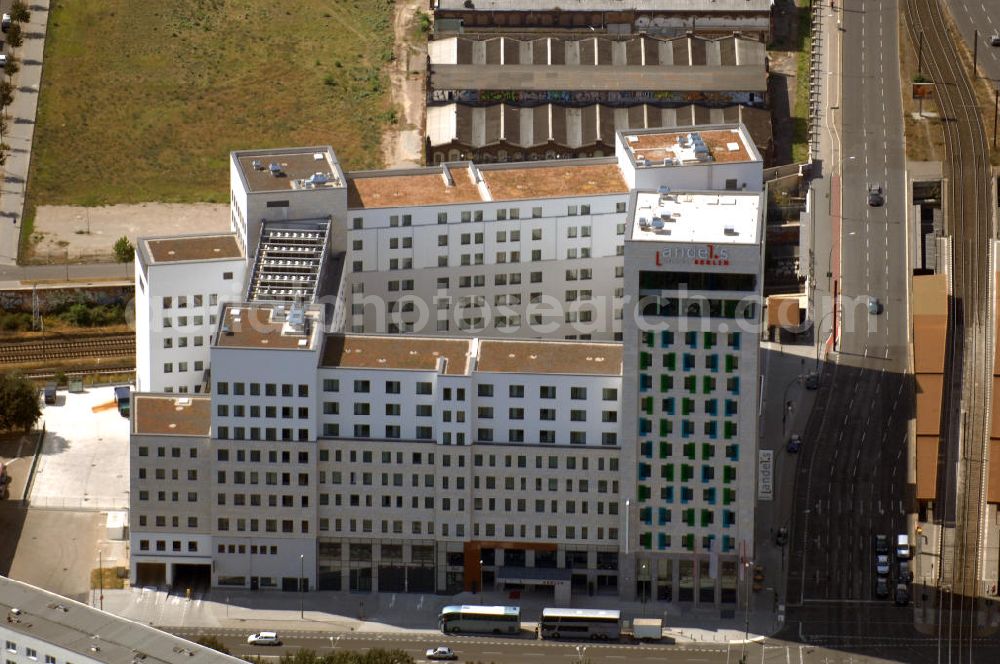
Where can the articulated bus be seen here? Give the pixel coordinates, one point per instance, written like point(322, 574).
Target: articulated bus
point(481, 619)
point(600, 624)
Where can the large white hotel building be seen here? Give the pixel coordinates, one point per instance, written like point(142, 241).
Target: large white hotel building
point(444, 378)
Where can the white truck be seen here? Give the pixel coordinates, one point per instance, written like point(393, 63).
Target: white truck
point(647, 629)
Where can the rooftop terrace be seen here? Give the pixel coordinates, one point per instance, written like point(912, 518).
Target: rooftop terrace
point(529, 181)
point(437, 185)
point(550, 357)
point(354, 351)
point(299, 168)
point(265, 326)
point(686, 147)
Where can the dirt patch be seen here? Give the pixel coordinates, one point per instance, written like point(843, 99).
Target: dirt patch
point(924, 134)
point(783, 62)
point(403, 140)
point(86, 234)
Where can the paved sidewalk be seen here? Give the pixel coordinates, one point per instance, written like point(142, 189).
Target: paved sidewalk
point(21, 130)
point(390, 612)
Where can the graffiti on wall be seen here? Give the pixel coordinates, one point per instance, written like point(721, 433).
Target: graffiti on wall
point(666, 98)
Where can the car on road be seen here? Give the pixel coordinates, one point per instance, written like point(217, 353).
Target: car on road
point(903, 550)
point(876, 197)
point(5, 22)
point(812, 381)
point(264, 639)
point(902, 596)
point(882, 587)
point(904, 572)
point(794, 444)
point(882, 544)
point(781, 537)
point(3, 59)
point(995, 39)
point(441, 652)
point(882, 565)
point(874, 306)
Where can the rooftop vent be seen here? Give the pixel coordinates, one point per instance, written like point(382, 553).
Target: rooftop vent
point(275, 169)
point(318, 156)
point(663, 190)
point(257, 165)
point(643, 222)
point(226, 330)
point(730, 230)
point(317, 179)
point(657, 223)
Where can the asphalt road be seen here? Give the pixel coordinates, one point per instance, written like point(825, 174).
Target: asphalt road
point(982, 15)
point(525, 650)
point(851, 478)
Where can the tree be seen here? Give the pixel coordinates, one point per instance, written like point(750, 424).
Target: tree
point(19, 12)
point(11, 67)
point(14, 35)
point(6, 93)
point(4, 151)
point(214, 643)
point(124, 251)
point(19, 409)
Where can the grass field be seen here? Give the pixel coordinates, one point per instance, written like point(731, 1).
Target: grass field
point(142, 101)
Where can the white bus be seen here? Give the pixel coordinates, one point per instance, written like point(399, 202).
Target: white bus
point(600, 624)
point(482, 619)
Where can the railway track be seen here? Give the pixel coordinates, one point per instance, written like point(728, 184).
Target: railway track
point(31, 352)
point(962, 478)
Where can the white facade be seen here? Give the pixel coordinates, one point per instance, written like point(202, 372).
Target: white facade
point(179, 288)
point(399, 462)
point(694, 264)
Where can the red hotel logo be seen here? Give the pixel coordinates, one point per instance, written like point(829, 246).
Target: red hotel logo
point(707, 255)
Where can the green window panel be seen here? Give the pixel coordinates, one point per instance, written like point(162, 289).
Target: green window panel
point(707, 451)
point(645, 360)
point(729, 430)
point(670, 361)
point(646, 540)
point(691, 384)
point(647, 405)
point(688, 516)
point(732, 363)
point(666, 450)
point(707, 518)
point(689, 450)
point(667, 472)
point(707, 384)
point(644, 493)
point(710, 340)
point(687, 472)
point(688, 542)
point(666, 427)
point(687, 406)
point(666, 382)
point(728, 474)
point(647, 339)
point(728, 496)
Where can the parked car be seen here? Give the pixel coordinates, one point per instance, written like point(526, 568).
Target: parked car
point(876, 197)
point(264, 639)
point(49, 392)
point(882, 565)
point(812, 381)
point(882, 587)
point(904, 572)
point(874, 306)
point(882, 544)
point(903, 550)
point(794, 444)
point(902, 594)
point(995, 39)
point(441, 652)
point(5, 22)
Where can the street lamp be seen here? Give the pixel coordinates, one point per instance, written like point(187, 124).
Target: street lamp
point(625, 564)
point(302, 605)
point(481, 581)
point(581, 652)
point(746, 634)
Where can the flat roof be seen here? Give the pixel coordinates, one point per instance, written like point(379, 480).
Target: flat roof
point(354, 351)
point(707, 6)
point(927, 462)
point(288, 168)
point(565, 180)
point(993, 486)
point(929, 387)
point(262, 326)
point(723, 145)
point(94, 635)
point(171, 415)
point(550, 357)
point(438, 185)
point(703, 217)
point(193, 248)
point(705, 78)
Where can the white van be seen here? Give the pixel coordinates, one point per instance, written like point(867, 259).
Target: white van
point(903, 551)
